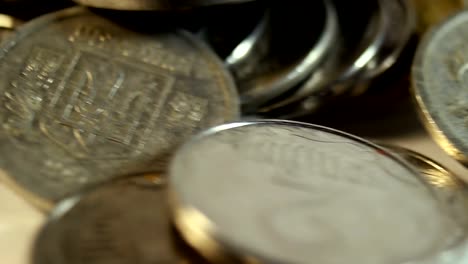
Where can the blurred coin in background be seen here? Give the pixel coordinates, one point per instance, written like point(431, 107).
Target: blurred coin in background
point(126, 221)
point(439, 78)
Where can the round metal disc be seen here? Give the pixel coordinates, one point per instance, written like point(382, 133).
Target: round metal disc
point(85, 100)
point(122, 222)
point(285, 192)
point(142, 5)
point(439, 76)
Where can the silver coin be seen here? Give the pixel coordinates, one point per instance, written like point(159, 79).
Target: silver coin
point(286, 192)
point(155, 4)
point(439, 75)
point(85, 100)
point(273, 77)
point(121, 222)
point(341, 70)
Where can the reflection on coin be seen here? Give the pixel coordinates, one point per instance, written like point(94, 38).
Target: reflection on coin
point(122, 222)
point(439, 76)
point(155, 4)
point(284, 192)
point(85, 100)
point(289, 61)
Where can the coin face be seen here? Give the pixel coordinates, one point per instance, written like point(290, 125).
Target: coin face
point(85, 100)
point(122, 222)
point(439, 78)
point(284, 192)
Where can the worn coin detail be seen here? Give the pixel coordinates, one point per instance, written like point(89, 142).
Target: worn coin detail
point(126, 221)
point(439, 76)
point(285, 192)
point(84, 100)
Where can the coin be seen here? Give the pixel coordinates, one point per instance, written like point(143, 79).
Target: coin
point(439, 75)
point(286, 192)
point(126, 221)
point(85, 100)
point(287, 62)
point(155, 4)
point(358, 45)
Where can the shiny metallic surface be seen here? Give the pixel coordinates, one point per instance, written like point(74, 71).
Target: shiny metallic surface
point(126, 221)
point(288, 192)
point(249, 51)
point(400, 18)
point(85, 100)
point(141, 5)
point(256, 88)
point(439, 75)
point(340, 71)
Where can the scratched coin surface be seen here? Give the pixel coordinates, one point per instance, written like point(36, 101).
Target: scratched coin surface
point(284, 192)
point(84, 100)
point(121, 222)
point(439, 76)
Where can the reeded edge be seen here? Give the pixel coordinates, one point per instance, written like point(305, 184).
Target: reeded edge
point(302, 69)
point(201, 233)
point(423, 112)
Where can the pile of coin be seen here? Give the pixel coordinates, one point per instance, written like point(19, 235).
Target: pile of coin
point(129, 123)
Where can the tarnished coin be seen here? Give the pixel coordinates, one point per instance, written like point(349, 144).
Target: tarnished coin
point(122, 222)
point(285, 192)
point(85, 100)
point(439, 76)
point(155, 4)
